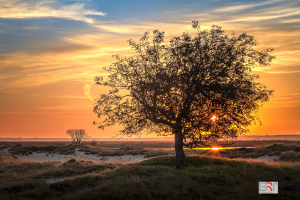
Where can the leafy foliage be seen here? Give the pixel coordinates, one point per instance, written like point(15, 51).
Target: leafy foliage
point(179, 86)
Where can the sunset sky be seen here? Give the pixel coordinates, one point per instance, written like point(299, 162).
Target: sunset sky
point(50, 52)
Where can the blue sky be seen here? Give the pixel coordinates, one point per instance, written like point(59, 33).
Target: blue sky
point(48, 47)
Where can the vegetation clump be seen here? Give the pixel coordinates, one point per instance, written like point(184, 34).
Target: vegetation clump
point(123, 150)
point(28, 149)
point(290, 156)
point(94, 143)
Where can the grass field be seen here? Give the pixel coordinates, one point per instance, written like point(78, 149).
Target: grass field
point(204, 177)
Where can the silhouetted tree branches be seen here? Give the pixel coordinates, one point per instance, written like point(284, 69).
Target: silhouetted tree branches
point(77, 135)
point(177, 88)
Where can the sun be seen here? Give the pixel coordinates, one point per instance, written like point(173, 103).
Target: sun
point(215, 148)
point(214, 118)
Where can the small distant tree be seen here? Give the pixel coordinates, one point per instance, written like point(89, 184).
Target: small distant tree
point(199, 88)
point(77, 135)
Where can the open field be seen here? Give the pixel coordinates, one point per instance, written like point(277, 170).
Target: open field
point(207, 175)
point(242, 149)
point(157, 178)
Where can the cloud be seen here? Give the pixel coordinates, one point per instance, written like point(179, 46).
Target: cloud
point(68, 48)
point(265, 16)
point(121, 28)
point(24, 70)
point(235, 8)
point(291, 20)
point(237, 15)
point(287, 100)
point(21, 9)
point(87, 92)
point(63, 108)
point(30, 28)
point(243, 7)
point(139, 28)
point(259, 12)
point(86, 53)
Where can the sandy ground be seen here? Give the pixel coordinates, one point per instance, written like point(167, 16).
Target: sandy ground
point(42, 157)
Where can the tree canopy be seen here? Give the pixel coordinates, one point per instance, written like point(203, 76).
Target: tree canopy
point(198, 88)
point(77, 135)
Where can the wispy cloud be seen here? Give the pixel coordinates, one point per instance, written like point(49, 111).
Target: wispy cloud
point(87, 93)
point(67, 48)
point(139, 28)
point(121, 28)
point(244, 7)
point(254, 12)
point(39, 9)
point(287, 100)
point(25, 70)
point(30, 28)
point(261, 17)
point(234, 8)
point(290, 20)
point(63, 108)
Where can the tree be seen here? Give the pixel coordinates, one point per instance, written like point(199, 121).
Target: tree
point(199, 88)
point(77, 135)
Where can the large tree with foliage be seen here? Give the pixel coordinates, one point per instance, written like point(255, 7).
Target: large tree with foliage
point(199, 88)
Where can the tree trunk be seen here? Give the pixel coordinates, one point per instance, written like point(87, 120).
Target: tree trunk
point(180, 156)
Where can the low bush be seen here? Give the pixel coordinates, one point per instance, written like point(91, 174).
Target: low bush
point(289, 156)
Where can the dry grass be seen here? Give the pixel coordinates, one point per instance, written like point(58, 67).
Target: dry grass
point(212, 175)
point(272, 150)
point(8, 158)
point(203, 177)
point(65, 148)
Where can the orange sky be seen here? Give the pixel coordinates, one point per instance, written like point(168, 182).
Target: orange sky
point(50, 53)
